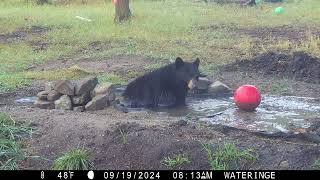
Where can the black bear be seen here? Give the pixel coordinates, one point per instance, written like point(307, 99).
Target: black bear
point(167, 85)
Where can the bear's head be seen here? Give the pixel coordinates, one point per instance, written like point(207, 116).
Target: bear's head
point(186, 71)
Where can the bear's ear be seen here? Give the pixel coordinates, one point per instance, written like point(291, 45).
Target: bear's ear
point(179, 62)
point(197, 62)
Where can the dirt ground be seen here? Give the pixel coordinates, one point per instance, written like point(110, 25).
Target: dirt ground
point(283, 32)
point(121, 64)
point(298, 66)
point(152, 136)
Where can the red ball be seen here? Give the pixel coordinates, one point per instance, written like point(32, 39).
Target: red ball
point(247, 97)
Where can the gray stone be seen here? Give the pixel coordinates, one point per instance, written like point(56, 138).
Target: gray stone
point(49, 86)
point(43, 95)
point(112, 97)
point(202, 83)
point(85, 85)
point(64, 87)
point(284, 165)
point(44, 104)
point(103, 88)
point(219, 88)
point(81, 99)
point(54, 95)
point(115, 102)
point(64, 103)
point(99, 102)
point(78, 108)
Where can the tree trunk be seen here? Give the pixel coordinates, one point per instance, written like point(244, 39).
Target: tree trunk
point(41, 2)
point(123, 12)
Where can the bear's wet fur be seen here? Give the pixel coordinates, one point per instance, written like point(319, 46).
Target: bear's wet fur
point(167, 85)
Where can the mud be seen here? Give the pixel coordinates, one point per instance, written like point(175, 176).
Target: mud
point(298, 66)
point(261, 34)
point(22, 34)
point(285, 32)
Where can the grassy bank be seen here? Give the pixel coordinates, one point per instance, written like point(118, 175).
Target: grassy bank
point(160, 29)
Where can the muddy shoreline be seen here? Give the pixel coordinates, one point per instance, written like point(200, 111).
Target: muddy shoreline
point(157, 136)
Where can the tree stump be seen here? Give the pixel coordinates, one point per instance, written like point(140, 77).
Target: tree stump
point(123, 12)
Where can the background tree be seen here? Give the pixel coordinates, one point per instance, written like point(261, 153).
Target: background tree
point(123, 12)
point(40, 2)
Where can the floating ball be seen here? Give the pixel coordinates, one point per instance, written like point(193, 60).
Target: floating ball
point(247, 97)
point(279, 10)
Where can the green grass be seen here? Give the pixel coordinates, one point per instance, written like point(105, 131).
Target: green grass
point(151, 67)
point(11, 152)
point(277, 88)
point(113, 78)
point(124, 136)
point(160, 29)
point(176, 161)
point(74, 159)
point(316, 164)
point(227, 156)
point(10, 81)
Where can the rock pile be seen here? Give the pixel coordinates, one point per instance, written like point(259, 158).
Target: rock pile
point(203, 84)
point(80, 95)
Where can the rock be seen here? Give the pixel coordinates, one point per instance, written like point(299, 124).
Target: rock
point(49, 86)
point(64, 103)
point(103, 88)
point(78, 108)
point(85, 85)
point(219, 88)
point(202, 83)
point(99, 102)
point(115, 102)
point(54, 95)
point(284, 165)
point(44, 104)
point(43, 95)
point(112, 97)
point(81, 99)
point(64, 87)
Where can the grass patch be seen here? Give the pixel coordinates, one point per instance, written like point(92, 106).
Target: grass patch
point(316, 164)
point(176, 161)
point(227, 156)
point(310, 45)
point(134, 74)
point(276, 88)
point(75, 159)
point(151, 67)
point(68, 73)
point(124, 136)
point(10, 147)
point(113, 78)
point(11, 81)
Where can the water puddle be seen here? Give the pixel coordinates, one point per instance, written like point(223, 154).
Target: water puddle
point(275, 113)
point(26, 100)
point(284, 114)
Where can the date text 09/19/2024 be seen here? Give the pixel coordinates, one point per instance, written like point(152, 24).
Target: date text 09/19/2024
point(165, 175)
